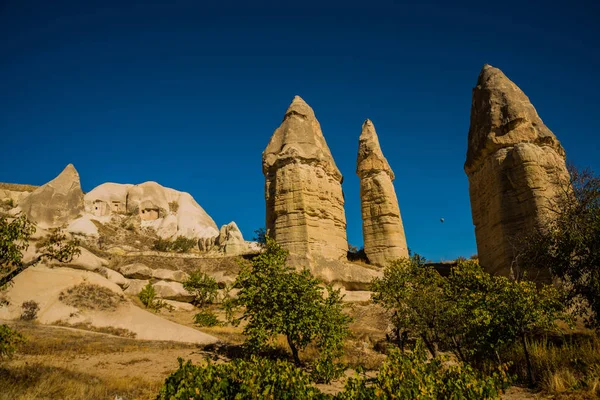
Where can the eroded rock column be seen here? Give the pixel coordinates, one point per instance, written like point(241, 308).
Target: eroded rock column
point(303, 188)
point(515, 166)
point(383, 231)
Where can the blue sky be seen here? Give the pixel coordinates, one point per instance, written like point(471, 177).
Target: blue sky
point(188, 93)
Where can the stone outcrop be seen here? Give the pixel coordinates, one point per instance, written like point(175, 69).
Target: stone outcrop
point(136, 271)
point(515, 167)
point(57, 202)
point(169, 212)
point(230, 240)
point(303, 191)
point(383, 231)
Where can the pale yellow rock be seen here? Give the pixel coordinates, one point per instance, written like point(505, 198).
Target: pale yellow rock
point(515, 167)
point(170, 275)
point(383, 232)
point(136, 271)
point(303, 191)
point(57, 202)
point(172, 291)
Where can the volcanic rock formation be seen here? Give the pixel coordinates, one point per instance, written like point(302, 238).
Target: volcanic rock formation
point(57, 202)
point(383, 231)
point(303, 191)
point(515, 167)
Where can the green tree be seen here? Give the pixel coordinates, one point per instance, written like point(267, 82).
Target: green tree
point(568, 244)
point(15, 235)
point(277, 299)
point(203, 287)
point(148, 298)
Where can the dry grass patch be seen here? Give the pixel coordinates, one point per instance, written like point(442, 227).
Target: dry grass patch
point(91, 297)
point(38, 381)
point(109, 330)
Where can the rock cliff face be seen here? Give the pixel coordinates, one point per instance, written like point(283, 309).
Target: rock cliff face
point(57, 202)
point(515, 167)
point(170, 212)
point(383, 231)
point(303, 191)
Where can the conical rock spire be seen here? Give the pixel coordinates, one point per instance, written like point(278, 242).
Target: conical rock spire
point(515, 166)
point(57, 202)
point(383, 231)
point(303, 192)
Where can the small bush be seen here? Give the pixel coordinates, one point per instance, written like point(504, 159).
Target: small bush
point(9, 341)
point(203, 287)
point(257, 378)
point(91, 297)
point(173, 207)
point(148, 297)
point(180, 245)
point(30, 310)
point(206, 318)
point(413, 376)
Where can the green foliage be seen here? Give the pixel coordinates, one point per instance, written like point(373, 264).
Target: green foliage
point(413, 376)
point(30, 310)
point(206, 318)
point(148, 298)
point(203, 287)
point(261, 236)
point(257, 378)
point(471, 313)
point(180, 245)
point(14, 240)
point(279, 300)
point(9, 341)
point(568, 245)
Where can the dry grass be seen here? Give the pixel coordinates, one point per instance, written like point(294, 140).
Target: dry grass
point(38, 381)
point(91, 297)
point(567, 365)
point(109, 330)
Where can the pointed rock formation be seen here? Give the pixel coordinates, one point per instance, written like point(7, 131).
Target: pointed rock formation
point(515, 166)
point(57, 202)
point(383, 231)
point(303, 191)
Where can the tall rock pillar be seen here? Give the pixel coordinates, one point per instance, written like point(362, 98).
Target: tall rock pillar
point(303, 188)
point(383, 231)
point(515, 167)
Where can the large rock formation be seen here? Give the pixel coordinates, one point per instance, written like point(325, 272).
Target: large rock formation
point(383, 231)
point(303, 191)
point(170, 212)
point(515, 166)
point(57, 202)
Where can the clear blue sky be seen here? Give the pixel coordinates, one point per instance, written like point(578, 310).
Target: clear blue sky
point(188, 93)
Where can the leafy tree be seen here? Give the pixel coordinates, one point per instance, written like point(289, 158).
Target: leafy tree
point(277, 299)
point(471, 313)
point(15, 234)
point(568, 244)
point(413, 293)
point(203, 287)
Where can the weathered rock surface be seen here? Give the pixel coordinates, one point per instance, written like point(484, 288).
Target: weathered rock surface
point(303, 191)
point(137, 271)
point(83, 226)
point(57, 202)
point(230, 240)
point(86, 260)
point(135, 286)
point(172, 291)
point(170, 275)
point(383, 231)
point(116, 278)
point(169, 212)
point(515, 166)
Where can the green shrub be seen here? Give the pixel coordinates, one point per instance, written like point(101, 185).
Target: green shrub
point(9, 341)
point(413, 376)
point(278, 300)
point(206, 318)
point(148, 297)
point(180, 245)
point(203, 287)
point(30, 310)
point(257, 378)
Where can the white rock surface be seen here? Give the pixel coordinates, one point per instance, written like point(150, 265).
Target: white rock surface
point(172, 291)
point(83, 226)
point(170, 275)
point(135, 286)
point(136, 271)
